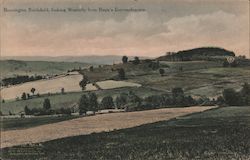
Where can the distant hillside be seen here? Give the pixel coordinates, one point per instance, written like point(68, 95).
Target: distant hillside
point(9, 68)
point(204, 53)
point(98, 60)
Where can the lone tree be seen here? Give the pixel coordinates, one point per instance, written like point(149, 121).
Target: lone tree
point(24, 97)
point(83, 83)
point(136, 60)
point(33, 90)
point(83, 104)
point(121, 73)
point(46, 104)
point(93, 104)
point(124, 59)
point(161, 71)
point(107, 102)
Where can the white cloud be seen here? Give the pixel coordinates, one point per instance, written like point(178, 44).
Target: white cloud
point(136, 34)
point(216, 29)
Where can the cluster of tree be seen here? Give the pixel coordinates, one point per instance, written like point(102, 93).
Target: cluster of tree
point(46, 110)
point(234, 98)
point(25, 96)
point(19, 80)
point(177, 98)
point(88, 102)
point(132, 102)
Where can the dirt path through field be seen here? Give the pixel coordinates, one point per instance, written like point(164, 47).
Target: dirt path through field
point(87, 125)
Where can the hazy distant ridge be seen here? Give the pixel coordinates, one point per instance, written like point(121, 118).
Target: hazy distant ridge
point(109, 59)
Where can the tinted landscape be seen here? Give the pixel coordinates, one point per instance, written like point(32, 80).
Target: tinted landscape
point(130, 93)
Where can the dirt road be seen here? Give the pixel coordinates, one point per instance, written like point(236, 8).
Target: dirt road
point(87, 125)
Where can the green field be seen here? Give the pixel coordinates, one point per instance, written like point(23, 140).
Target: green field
point(9, 68)
point(23, 123)
point(222, 133)
point(70, 99)
point(200, 81)
point(198, 78)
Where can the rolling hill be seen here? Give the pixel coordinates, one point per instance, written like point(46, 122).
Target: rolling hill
point(9, 68)
point(97, 60)
point(203, 53)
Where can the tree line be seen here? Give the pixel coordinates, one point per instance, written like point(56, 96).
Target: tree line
point(132, 102)
point(128, 101)
point(20, 79)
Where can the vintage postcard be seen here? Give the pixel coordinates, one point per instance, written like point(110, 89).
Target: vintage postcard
point(125, 80)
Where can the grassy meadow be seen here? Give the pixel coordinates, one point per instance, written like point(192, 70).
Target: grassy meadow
point(197, 78)
point(70, 99)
